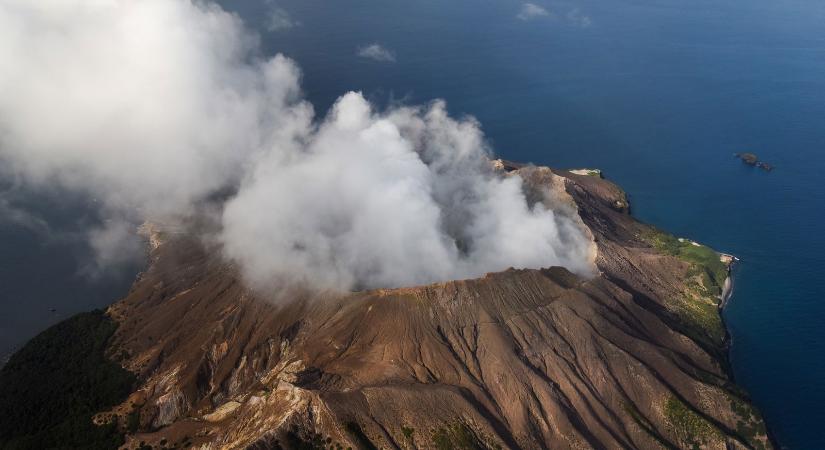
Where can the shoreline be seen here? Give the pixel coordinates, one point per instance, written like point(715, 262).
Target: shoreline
point(724, 298)
point(727, 285)
point(727, 291)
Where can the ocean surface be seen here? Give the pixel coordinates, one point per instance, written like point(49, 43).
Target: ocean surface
point(658, 94)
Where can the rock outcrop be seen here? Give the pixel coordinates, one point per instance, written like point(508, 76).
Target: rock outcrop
point(753, 160)
point(631, 357)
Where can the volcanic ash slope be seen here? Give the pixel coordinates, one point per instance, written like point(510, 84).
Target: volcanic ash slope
point(631, 357)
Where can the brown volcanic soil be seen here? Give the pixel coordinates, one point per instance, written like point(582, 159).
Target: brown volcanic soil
point(516, 359)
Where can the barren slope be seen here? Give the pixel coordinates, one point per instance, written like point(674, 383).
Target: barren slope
point(632, 357)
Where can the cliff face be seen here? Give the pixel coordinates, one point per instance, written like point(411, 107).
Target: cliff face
point(632, 357)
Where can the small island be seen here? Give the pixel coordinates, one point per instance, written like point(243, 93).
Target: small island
point(632, 355)
point(753, 160)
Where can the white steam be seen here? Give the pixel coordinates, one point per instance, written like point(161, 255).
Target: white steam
point(154, 105)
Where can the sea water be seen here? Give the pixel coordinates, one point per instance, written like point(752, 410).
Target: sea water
point(658, 94)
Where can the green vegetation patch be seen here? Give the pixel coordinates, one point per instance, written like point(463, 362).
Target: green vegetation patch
point(689, 426)
point(697, 308)
point(749, 424)
point(705, 258)
point(702, 316)
point(51, 388)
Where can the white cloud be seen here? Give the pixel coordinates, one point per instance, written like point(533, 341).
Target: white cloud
point(577, 18)
point(376, 52)
point(155, 105)
point(531, 11)
point(279, 19)
point(150, 106)
point(160, 104)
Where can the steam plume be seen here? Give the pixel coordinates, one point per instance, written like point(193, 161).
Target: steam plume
point(152, 106)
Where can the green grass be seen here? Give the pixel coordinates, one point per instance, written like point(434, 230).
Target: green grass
point(749, 424)
point(689, 427)
point(51, 388)
point(698, 306)
point(704, 258)
point(701, 315)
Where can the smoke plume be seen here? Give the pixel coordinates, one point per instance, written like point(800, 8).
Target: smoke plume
point(152, 106)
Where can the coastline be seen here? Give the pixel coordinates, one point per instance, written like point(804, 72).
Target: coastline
point(682, 407)
point(727, 286)
point(724, 298)
point(727, 291)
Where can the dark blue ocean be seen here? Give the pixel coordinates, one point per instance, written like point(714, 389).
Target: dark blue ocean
point(657, 93)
